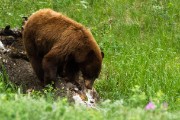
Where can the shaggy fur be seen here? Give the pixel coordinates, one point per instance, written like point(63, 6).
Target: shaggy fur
point(57, 45)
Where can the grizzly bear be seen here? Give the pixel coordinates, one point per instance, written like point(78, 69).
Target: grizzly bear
point(57, 45)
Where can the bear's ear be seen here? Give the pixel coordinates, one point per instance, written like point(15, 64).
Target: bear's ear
point(102, 54)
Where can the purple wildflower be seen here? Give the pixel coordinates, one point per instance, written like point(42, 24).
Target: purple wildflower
point(150, 106)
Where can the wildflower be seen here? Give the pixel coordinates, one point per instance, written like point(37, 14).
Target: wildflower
point(150, 106)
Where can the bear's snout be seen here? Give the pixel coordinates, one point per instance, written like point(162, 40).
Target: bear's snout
point(89, 84)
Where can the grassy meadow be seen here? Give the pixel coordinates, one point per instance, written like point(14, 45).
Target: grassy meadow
point(141, 43)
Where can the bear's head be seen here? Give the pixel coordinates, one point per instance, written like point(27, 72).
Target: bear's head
point(91, 67)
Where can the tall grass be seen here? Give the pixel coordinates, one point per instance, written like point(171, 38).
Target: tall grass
point(140, 39)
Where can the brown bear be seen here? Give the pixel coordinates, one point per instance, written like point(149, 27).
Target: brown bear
point(57, 45)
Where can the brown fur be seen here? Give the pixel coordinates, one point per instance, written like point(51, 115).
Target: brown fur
point(57, 45)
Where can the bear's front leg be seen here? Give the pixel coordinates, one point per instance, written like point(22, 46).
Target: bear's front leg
point(50, 70)
point(36, 63)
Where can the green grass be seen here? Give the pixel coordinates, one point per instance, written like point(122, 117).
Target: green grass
point(141, 42)
point(18, 108)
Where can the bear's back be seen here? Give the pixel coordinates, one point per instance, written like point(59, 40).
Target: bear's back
point(49, 17)
point(47, 26)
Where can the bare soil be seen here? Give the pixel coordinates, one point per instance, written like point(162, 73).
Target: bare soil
point(16, 63)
